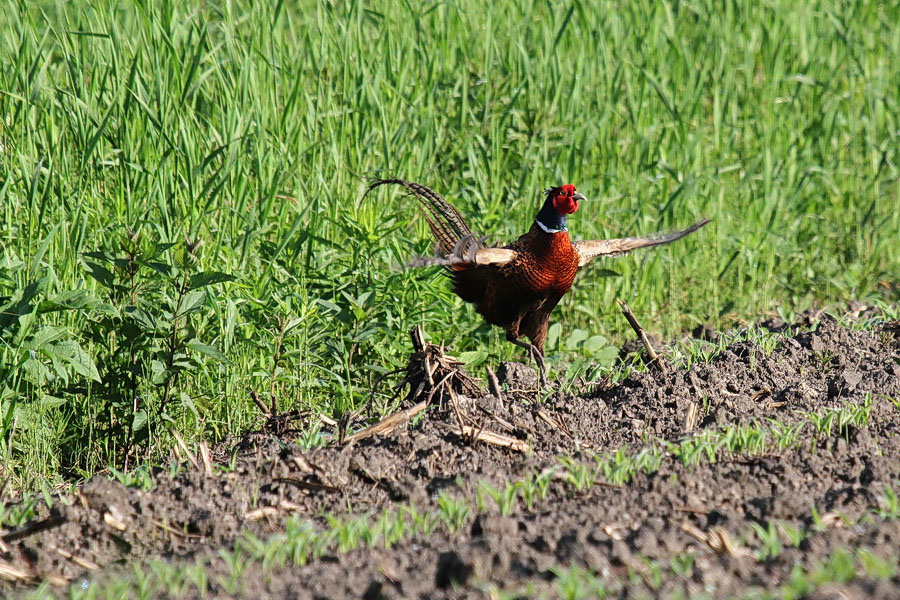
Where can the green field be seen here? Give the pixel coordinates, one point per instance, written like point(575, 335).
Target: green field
point(183, 220)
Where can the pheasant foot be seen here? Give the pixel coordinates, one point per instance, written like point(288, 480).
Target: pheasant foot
point(537, 356)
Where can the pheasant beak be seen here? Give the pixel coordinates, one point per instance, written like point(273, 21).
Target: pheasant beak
point(578, 197)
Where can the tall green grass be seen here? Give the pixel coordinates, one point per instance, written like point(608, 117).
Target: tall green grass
point(181, 190)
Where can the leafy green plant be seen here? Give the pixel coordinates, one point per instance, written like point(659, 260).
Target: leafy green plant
point(351, 533)
point(594, 348)
point(876, 566)
point(839, 567)
point(146, 585)
point(895, 402)
point(770, 544)
point(682, 564)
point(453, 512)
point(653, 573)
point(890, 504)
point(844, 418)
point(579, 475)
point(535, 486)
point(824, 359)
point(140, 477)
point(504, 497)
point(236, 562)
point(577, 583)
point(393, 527)
point(818, 522)
point(422, 523)
point(39, 361)
point(18, 513)
point(786, 435)
point(312, 438)
point(156, 290)
point(792, 535)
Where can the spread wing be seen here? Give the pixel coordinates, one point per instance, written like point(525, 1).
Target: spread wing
point(591, 249)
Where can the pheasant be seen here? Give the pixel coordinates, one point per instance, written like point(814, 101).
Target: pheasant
point(517, 286)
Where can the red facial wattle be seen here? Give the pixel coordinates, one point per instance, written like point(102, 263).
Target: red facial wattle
point(565, 201)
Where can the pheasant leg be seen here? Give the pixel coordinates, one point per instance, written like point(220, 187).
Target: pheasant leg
point(535, 355)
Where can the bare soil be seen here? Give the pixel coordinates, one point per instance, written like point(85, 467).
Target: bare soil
point(618, 532)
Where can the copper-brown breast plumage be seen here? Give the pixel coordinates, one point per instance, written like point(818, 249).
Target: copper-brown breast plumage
point(544, 269)
point(548, 262)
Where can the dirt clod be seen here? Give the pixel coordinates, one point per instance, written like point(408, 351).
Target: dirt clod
point(517, 376)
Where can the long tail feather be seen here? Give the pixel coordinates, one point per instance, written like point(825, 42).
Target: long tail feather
point(445, 222)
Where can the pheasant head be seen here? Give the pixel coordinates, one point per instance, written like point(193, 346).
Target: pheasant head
point(561, 201)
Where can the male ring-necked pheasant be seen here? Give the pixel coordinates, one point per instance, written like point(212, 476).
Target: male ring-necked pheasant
point(517, 286)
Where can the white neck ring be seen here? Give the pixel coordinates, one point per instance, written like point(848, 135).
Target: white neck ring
point(548, 229)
